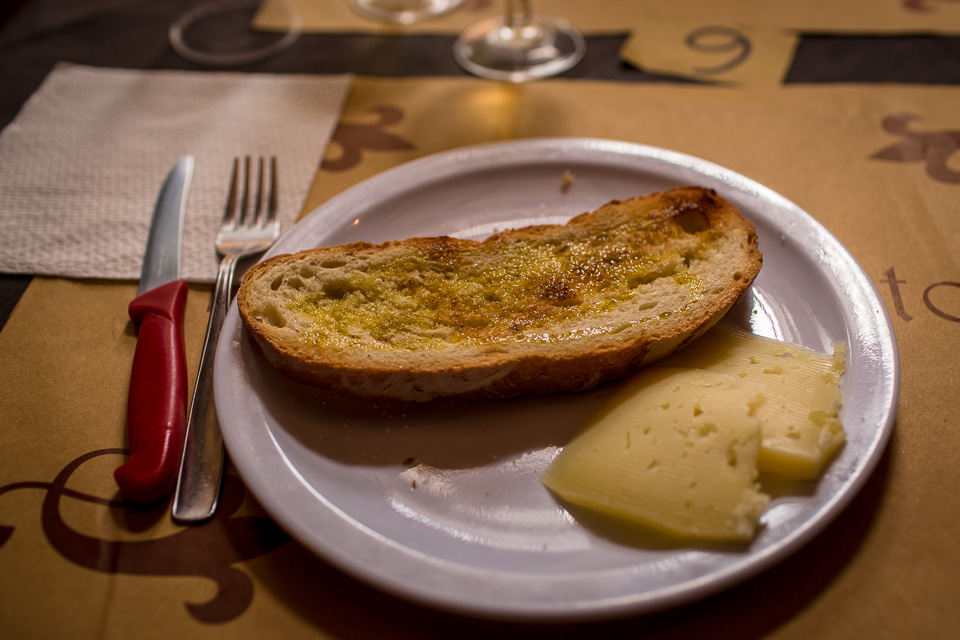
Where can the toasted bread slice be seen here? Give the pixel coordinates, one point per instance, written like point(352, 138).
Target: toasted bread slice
point(540, 309)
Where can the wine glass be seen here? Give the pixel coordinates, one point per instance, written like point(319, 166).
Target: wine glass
point(519, 45)
point(403, 11)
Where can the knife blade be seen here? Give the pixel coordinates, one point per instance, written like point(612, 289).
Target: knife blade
point(157, 399)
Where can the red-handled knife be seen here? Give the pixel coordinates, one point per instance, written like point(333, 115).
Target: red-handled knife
point(157, 400)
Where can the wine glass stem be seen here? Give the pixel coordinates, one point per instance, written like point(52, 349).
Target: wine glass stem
point(517, 14)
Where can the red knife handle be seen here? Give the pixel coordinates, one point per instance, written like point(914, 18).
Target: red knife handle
point(157, 400)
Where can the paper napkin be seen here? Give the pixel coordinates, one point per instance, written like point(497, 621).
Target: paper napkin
point(83, 162)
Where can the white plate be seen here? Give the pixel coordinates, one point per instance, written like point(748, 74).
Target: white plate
point(441, 503)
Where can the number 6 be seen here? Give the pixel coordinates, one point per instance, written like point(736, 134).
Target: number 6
point(719, 40)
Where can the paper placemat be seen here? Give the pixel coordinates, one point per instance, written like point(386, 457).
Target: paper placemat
point(83, 162)
point(618, 16)
point(876, 164)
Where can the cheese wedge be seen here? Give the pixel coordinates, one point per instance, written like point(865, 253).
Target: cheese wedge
point(801, 395)
point(676, 450)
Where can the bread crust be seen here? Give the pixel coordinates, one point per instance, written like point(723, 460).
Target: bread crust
point(699, 236)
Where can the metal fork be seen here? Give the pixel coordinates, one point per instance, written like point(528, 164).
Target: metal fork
point(245, 230)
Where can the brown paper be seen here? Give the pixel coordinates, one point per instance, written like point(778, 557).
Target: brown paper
point(722, 53)
point(617, 16)
point(878, 165)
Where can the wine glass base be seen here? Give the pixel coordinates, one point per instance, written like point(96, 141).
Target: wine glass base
point(403, 11)
point(547, 47)
point(227, 23)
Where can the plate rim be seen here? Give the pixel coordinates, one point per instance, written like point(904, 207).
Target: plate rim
point(446, 163)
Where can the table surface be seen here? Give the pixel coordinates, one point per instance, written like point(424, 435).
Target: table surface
point(37, 34)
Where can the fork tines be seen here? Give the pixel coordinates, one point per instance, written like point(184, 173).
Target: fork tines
point(242, 215)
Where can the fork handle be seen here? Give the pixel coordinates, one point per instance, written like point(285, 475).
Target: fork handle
point(201, 468)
